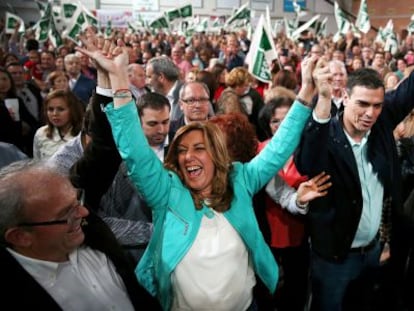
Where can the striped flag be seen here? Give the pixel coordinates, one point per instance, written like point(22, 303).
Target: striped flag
point(362, 22)
point(261, 53)
point(242, 14)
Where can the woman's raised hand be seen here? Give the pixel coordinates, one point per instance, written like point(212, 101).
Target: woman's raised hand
point(111, 57)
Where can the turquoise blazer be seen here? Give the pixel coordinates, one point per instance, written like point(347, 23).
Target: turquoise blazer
point(176, 220)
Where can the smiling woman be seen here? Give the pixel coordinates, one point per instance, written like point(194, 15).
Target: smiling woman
point(205, 231)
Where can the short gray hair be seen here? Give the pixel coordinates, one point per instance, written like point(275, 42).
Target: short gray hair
point(163, 64)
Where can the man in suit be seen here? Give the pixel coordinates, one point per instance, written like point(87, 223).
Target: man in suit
point(163, 77)
point(55, 254)
point(358, 151)
point(80, 85)
point(29, 92)
point(108, 189)
point(136, 76)
point(338, 82)
point(194, 103)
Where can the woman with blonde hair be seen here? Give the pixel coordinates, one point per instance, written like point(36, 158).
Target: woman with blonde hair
point(239, 80)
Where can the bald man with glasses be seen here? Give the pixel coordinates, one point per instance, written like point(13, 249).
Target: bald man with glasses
point(55, 254)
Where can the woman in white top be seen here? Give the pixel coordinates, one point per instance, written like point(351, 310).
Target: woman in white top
point(63, 115)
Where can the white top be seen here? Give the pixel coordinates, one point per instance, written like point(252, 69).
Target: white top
point(44, 147)
point(213, 275)
point(88, 281)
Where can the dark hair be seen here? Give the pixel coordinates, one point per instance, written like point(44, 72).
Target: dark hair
point(12, 91)
point(32, 44)
point(366, 77)
point(153, 101)
point(267, 111)
point(209, 80)
point(164, 65)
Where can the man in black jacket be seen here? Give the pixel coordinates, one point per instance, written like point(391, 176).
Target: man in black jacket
point(54, 253)
point(358, 152)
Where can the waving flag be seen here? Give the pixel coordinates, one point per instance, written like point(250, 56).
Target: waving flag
point(410, 26)
point(241, 14)
point(261, 53)
point(11, 22)
point(362, 21)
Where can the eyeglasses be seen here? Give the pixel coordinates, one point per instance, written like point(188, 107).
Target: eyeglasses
point(69, 220)
point(192, 101)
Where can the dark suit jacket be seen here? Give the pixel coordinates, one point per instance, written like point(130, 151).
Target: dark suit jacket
point(176, 112)
point(334, 219)
point(84, 88)
point(174, 126)
point(32, 296)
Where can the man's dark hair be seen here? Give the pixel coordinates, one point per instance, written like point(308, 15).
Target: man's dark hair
point(32, 44)
point(366, 77)
point(153, 101)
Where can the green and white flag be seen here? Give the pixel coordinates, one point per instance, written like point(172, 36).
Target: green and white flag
point(203, 26)
point(11, 22)
point(241, 14)
point(108, 29)
point(186, 11)
point(381, 37)
point(290, 26)
point(410, 26)
point(261, 53)
point(69, 11)
point(391, 44)
point(341, 20)
point(296, 34)
point(54, 34)
point(160, 22)
point(173, 14)
point(42, 30)
point(362, 22)
point(77, 24)
point(322, 31)
point(41, 6)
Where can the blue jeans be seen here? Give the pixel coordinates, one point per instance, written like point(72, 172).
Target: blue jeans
point(331, 280)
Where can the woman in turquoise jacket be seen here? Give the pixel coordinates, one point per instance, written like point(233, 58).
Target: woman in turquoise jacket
point(206, 247)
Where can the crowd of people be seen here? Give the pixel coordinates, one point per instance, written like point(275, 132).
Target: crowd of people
point(144, 170)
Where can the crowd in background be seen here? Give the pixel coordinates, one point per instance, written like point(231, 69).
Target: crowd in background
point(53, 88)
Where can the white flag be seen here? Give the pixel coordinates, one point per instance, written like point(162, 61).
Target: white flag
point(391, 44)
point(243, 13)
point(11, 22)
point(362, 21)
point(296, 34)
point(341, 20)
point(261, 53)
point(322, 31)
point(410, 26)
